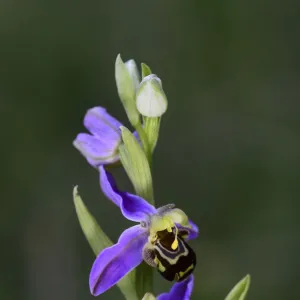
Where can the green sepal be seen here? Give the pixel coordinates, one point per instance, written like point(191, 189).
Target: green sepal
point(98, 241)
point(126, 90)
point(136, 165)
point(145, 70)
point(151, 128)
point(239, 292)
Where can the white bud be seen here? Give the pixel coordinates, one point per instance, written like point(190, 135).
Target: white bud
point(151, 100)
point(133, 72)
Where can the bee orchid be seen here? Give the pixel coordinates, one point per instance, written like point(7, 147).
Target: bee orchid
point(159, 239)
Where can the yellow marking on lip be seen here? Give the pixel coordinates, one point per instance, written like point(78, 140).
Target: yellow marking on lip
point(174, 245)
point(181, 274)
point(160, 266)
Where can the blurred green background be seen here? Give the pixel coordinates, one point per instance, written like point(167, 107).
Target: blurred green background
point(228, 153)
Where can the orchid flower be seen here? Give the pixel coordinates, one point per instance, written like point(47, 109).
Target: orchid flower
point(116, 261)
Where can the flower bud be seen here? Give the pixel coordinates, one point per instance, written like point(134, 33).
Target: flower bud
point(151, 100)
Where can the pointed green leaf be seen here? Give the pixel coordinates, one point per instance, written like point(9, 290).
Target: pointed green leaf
point(127, 89)
point(136, 165)
point(240, 290)
point(151, 127)
point(98, 241)
point(145, 70)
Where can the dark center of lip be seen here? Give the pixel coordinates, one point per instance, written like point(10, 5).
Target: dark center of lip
point(166, 238)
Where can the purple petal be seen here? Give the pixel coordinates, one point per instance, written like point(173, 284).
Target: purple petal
point(116, 261)
point(133, 207)
point(179, 291)
point(191, 231)
point(97, 151)
point(101, 124)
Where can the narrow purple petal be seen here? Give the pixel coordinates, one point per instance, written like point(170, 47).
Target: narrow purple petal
point(133, 207)
point(192, 231)
point(179, 291)
point(115, 262)
point(101, 124)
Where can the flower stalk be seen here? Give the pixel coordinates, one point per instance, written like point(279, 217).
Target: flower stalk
point(145, 142)
point(159, 239)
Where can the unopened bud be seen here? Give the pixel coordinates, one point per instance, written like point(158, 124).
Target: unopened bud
point(151, 100)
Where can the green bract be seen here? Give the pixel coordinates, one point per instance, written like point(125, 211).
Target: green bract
point(126, 83)
point(239, 292)
point(133, 71)
point(145, 70)
point(98, 241)
point(135, 163)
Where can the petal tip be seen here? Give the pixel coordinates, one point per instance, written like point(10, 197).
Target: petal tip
point(75, 143)
point(93, 289)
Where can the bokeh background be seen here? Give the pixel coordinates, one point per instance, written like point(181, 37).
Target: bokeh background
point(228, 153)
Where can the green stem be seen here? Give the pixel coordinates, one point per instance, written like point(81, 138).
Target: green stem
point(144, 280)
point(144, 273)
point(143, 137)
